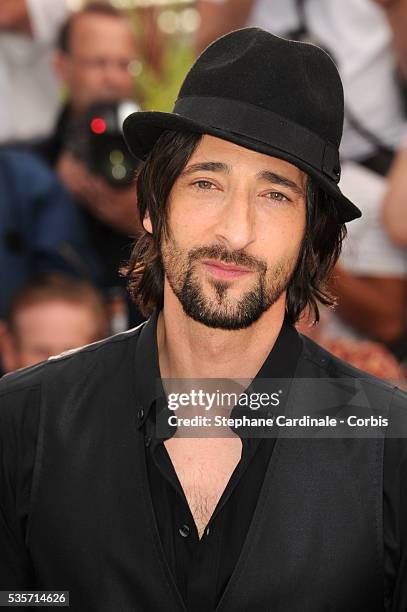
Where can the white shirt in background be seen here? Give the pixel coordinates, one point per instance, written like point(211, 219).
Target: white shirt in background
point(29, 99)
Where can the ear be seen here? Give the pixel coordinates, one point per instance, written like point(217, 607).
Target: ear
point(147, 223)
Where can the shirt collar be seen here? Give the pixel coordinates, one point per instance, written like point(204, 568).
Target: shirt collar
point(280, 364)
point(148, 387)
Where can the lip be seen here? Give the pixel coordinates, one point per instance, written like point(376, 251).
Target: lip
point(226, 271)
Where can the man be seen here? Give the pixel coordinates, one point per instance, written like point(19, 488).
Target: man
point(243, 221)
point(94, 59)
point(96, 48)
point(49, 315)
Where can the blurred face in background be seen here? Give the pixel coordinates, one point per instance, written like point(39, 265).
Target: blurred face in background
point(97, 65)
point(49, 328)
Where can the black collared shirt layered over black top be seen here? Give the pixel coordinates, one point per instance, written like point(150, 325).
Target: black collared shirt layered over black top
point(203, 567)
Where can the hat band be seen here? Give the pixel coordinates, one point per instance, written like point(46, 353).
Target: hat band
point(263, 126)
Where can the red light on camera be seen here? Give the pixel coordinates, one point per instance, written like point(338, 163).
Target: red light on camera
point(98, 125)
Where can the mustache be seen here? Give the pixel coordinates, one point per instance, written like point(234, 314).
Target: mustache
point(220, 253)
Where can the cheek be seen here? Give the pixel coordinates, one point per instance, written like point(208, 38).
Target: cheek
point(186, 234)
point(186, 225)
point(79, 77)
point(283, 238)
point(293, 236)
point(84, 88)
point(89, 85)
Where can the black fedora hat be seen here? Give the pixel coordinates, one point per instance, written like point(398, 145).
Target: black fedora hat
point(275, 96)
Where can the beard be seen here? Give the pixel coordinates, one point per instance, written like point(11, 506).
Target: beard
point(221, 309)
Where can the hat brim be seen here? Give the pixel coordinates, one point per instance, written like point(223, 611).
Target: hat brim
point(142, 130)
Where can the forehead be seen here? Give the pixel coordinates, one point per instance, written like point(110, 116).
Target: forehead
point(241, 159)
point(56, 314)
point(104, 32)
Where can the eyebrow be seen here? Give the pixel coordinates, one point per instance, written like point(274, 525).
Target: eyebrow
point(267, 175)
point(277, 179)
point(207, 167)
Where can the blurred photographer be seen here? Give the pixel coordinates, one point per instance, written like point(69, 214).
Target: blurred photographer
point(96, 52)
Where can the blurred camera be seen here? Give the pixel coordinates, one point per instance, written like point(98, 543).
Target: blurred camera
point(97, 140)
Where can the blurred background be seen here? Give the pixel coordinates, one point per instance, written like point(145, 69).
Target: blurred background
point(71, 71)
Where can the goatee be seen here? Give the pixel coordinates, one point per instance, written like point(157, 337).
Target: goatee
point(221, 310)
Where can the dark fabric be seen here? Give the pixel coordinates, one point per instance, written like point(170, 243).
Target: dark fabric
point(380, 162)
point(76, 510)
point(259, 124)
point(290, 89)
point(202, 568)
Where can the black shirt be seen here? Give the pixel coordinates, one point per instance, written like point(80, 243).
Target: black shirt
point(203, 567)
point(93, 392)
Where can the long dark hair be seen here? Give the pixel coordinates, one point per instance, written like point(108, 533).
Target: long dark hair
point(320, 249)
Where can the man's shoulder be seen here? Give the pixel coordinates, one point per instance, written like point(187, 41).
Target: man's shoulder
point(66, 369)
point(64, 383)
point(320, 363)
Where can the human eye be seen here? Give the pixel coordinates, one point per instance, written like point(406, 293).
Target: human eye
point(95, 63)
point(204, 185)
point(126, 65)
point(277, 196)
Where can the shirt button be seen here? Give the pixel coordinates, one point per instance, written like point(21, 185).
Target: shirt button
point(147, 441)
point(140, 414)
point(184, 531)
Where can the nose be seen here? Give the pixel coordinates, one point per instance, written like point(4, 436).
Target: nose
point(235, 226)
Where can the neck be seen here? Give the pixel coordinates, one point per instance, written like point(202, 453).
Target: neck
point(188, 349)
